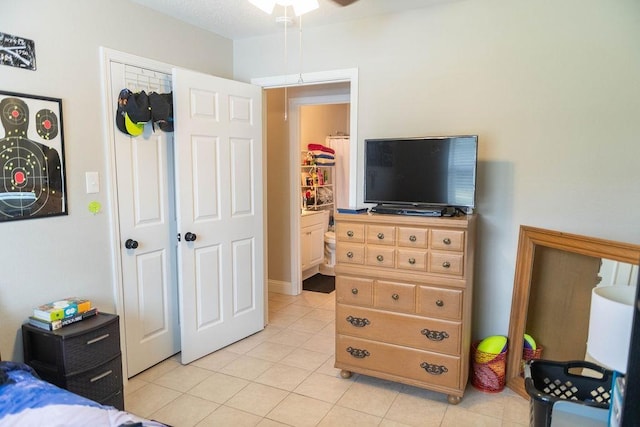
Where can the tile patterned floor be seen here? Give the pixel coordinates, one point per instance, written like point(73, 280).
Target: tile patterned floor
point(284, 376)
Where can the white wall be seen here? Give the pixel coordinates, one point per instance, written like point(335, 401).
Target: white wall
point(551, 88)
point(48, 259)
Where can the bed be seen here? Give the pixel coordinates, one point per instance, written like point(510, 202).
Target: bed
point(26, 400)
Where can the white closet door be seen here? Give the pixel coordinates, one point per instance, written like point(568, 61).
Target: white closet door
point(144, 176)
point(218, 148)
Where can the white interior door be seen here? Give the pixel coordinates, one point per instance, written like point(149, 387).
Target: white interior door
point(146, 216)
point(218, 149)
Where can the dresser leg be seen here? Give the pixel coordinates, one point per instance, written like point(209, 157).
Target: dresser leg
point(454, 400)
point(345, 374)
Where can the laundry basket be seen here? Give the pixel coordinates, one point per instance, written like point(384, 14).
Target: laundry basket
point(548, 382)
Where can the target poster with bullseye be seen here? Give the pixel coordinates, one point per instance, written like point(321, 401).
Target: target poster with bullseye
point(32, 181)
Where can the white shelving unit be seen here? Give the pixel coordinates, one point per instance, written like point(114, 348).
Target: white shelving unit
point(313, 179)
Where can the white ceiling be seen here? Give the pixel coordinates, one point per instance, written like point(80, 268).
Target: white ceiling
point(238, 19)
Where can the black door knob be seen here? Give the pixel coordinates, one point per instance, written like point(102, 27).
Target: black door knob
point(190, 237)
point(131, 244)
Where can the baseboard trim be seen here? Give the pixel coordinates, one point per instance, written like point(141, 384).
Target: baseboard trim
point(280, 287)
point(312, 271)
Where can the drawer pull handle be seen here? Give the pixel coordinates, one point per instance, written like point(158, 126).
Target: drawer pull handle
point(440, 303)
point(446, 264)
point(446, 241)
point(434, 369)
point(95, 340)
point(349, 233)
point(349, 254)
point(395, 297)
point(412, 238)
point(380, 258)
point(358, 353)
point(358, 322)
point(381, 236)
point(354, 291)
point(412, 261)
point(434, 335)
point(99, 377)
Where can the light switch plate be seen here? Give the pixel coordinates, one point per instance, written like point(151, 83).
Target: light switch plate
point(93, 182)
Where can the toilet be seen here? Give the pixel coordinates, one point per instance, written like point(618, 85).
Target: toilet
point(329, 248)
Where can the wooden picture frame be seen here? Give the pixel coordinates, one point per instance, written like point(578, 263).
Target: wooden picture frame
point(532, 240)
point(32, 175)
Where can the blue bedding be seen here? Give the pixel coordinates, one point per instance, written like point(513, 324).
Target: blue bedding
point(25, 400)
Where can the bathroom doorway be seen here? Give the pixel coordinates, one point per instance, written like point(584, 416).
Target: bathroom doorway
point(286, 133)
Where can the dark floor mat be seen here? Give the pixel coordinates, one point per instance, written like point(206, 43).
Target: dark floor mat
point(319, 283)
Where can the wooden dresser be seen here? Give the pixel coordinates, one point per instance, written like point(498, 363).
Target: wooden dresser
point(404, 288)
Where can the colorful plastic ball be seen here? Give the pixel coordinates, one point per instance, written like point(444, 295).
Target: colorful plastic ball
point(495, 344)
point(529, 342)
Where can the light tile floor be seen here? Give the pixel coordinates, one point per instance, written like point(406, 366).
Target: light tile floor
point(284, 376)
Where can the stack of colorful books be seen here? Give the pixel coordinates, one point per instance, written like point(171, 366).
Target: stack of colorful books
point(57, 314)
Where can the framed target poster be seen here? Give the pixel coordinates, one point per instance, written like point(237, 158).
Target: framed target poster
point(32, 178)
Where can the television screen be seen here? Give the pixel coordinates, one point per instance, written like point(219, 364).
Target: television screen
point(427, 171)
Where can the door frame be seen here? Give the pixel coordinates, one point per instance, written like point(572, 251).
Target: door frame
point(295, 105)
point(107, 56)
point(349, 75)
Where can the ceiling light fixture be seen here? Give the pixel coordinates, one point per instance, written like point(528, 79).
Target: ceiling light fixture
point(300, 7)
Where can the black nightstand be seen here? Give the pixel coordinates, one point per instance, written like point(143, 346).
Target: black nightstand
point(83, 358)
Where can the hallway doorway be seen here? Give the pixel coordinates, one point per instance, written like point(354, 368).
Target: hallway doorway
point(283, 165)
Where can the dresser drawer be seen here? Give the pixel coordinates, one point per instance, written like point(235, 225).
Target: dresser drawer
point(381, 234)
point(432, 368)
point(116, 400)
point(394, 296)
point(402, 329)
point(439, 302)
point(349, 253)
point(354, 290)
point(447, 240)
point(380, 256)
point(412, 260)
point(446, 263)
point(413, 237)
point(84, 351)
point(98, 383)
point(350, 232)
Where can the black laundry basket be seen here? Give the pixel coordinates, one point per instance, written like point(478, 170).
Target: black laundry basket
point(548, 381)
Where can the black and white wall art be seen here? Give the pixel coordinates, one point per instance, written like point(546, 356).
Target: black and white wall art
point(32, 179)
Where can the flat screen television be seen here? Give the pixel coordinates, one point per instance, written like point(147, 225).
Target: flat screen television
point(421, 172)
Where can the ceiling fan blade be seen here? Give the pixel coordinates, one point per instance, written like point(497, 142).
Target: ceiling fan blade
point(344, 2)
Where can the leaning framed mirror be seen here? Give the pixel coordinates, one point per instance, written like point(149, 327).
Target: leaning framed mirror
point(554, 278)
